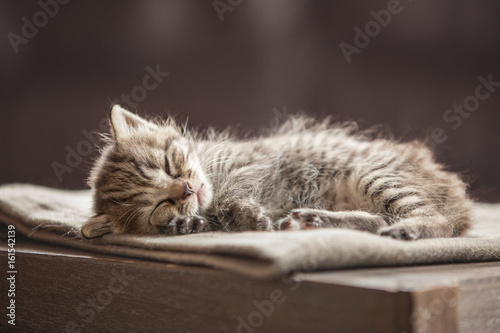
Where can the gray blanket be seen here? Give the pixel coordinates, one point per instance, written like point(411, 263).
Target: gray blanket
point(56, 216)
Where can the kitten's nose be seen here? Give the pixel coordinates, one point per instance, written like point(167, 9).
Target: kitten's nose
point(180, 190)
point(187, 190)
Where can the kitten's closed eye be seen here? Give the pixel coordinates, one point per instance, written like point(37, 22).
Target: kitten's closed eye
point(168, 170)
point(167, 167)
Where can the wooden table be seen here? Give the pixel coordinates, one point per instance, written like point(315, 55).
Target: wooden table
point(65, 290)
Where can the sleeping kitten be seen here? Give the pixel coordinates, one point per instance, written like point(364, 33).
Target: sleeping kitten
point(158, 178)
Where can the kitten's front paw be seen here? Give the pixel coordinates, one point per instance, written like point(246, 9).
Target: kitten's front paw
point(183, 225)
point(247, 218)
point(402, 232)
point(300, 219)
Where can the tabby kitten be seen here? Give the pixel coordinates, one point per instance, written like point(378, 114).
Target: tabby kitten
point(158, 178)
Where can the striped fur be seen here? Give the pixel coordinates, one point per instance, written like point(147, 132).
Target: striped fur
point(158, 178)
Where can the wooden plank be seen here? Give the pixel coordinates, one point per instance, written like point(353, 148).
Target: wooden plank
point(435, 310)
point(474, 288)
point(79, 294)
point(409, 277)
point(480, 312)
point(61, 289)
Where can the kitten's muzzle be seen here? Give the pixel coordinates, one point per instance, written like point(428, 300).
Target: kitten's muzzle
point(180, 191)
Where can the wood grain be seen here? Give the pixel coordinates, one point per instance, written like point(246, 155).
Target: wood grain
point(67, 290)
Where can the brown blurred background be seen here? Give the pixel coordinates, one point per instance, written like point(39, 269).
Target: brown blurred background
point(263, 55)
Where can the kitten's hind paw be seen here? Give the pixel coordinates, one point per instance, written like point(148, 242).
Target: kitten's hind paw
point(183, 225)
point(305, 218)
point(400, 232)
point(300, 220)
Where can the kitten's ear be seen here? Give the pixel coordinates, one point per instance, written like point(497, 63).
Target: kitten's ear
point(97, 226)
point(125, 123)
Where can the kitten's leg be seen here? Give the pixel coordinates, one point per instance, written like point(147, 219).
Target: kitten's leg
point(427, 208)
point(416, 214)
point(235, 205)
point(237, 214)
point(420, 226)
point(313, 218)
point(412, 215)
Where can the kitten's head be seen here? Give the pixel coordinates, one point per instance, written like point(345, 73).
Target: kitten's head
point(148, 174)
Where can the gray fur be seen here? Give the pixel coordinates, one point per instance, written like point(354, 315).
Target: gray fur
point(305, 174)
